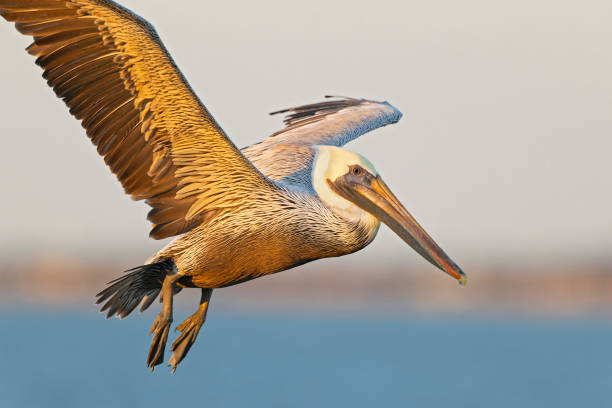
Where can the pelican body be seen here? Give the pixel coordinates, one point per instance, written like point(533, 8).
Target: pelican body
point(237, 214)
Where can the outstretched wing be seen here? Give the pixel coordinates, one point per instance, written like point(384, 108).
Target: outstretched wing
point(334, 122)
point(288, 152)
point(111, 69)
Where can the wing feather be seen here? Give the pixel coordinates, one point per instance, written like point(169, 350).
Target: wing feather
point(288, 154)
point(111, 69)
point(334, 122)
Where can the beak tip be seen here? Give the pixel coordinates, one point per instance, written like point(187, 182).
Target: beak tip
point(463, 280)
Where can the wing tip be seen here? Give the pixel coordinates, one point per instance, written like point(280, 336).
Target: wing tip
point(396, 115)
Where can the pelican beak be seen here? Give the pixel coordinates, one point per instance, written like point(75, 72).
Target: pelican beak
point(374, 196)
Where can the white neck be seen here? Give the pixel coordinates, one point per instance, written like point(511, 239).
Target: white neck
point(330, 163)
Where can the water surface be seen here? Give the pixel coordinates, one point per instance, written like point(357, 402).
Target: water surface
point(72, 359)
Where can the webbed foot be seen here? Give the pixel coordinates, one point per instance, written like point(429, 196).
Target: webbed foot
point(159, 329)
point(189, 331)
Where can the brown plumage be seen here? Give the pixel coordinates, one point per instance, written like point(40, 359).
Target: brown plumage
point(238, 215)
point(116, 77)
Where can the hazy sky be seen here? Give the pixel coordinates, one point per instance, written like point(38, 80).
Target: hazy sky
point(504, 148)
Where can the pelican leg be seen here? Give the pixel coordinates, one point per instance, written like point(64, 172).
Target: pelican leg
point(162, 322)
point(189, 330)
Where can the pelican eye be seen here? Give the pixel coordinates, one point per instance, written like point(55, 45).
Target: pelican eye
point(357, 170)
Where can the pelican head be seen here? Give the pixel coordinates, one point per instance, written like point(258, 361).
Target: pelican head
point(350, 185)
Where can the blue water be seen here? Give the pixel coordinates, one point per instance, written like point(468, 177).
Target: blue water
point(71, 359)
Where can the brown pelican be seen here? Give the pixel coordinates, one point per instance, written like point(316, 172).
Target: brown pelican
point(295, 197)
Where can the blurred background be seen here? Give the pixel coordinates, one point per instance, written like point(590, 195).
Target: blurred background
point(503, 155)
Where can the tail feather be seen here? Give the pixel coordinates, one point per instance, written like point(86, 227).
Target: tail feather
point(148, 299)
point(127, 291)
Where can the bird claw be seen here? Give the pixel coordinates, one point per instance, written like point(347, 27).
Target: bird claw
point(189, 332)
point(159, 329)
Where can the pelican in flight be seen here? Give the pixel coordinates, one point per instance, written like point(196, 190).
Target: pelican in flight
point(238, 214)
